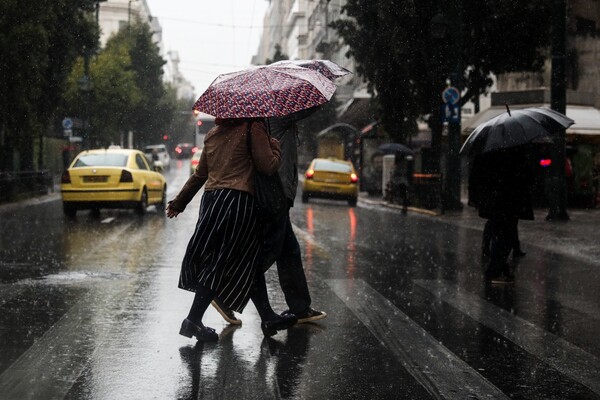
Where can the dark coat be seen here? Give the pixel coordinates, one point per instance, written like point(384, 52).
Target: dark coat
point(499, 184)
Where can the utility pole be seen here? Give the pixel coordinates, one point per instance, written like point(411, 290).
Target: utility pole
point(558, 102)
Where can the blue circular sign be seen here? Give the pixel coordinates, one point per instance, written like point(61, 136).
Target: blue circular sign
point(451, 95)
point(67, 123)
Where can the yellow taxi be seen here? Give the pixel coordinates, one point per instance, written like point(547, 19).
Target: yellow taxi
point(332, 179)
point(112, 178)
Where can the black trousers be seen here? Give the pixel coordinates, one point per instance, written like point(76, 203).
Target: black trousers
point(281, 246)
point(502, 234)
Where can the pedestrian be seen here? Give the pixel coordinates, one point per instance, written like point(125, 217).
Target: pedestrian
point(222, 257)
point(280, 242)
point(399, 181)
point(499, 187)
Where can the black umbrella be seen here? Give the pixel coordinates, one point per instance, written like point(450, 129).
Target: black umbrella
point(515, 128)
point(395, 148)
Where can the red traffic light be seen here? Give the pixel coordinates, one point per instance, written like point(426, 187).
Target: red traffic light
point(545, 162)
point(165, 137)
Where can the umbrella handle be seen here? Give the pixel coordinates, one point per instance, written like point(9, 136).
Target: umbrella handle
point(508, 109)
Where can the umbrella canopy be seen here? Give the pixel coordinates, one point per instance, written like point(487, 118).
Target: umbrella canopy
point(265, 92)
point(327, 68)
point(395, 148)
point(515, 128)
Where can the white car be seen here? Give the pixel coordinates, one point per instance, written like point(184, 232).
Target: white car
point(158, 152)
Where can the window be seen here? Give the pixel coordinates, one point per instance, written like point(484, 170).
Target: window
point(141, 162)
point(101, 160)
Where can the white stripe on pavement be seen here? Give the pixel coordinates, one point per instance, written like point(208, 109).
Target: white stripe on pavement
point(565, 357)
point(437, 369)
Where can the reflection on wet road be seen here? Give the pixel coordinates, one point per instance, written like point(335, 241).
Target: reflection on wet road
point(90, 309)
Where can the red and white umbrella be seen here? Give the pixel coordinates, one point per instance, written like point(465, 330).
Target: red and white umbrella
point(265, 92)
point(327, 68)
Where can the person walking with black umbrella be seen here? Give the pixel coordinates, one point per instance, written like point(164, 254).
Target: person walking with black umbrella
point(499, 186)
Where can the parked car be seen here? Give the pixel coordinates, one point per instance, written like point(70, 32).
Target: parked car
point(332, 179)
point(195, 160)
point(185, 150)
point(112, 178)
point(158, 152)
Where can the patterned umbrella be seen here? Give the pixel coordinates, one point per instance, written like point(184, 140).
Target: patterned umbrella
point(265, 92)
point(328, 69)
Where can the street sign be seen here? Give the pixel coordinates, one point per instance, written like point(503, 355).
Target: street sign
point(451, 113)
point(451, 95)
point(74, 139)
point(67, 124)
point(67, 132)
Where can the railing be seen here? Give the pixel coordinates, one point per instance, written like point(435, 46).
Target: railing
point(22, 184)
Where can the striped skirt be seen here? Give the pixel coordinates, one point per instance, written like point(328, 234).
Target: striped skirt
point(222, 254)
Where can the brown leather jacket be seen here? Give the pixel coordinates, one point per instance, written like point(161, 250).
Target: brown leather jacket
point(226, 164)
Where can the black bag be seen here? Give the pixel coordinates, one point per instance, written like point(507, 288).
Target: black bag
point(268, 191)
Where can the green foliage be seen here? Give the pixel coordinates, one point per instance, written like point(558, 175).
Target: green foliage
point(407, 68)
point(128, 92)
point(278, 56)
point(38, 49)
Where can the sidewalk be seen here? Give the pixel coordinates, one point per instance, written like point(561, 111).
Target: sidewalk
point(578, 238)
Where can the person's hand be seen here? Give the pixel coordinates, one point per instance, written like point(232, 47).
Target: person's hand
point(170, 212)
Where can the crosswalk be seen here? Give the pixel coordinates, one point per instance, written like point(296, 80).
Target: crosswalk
point(442, 373)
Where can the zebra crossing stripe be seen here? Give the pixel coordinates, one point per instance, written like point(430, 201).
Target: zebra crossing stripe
point(437, 369)
point(568, 359)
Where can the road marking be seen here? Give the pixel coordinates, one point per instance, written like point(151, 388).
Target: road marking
point(576, 303)
point(55, 360)
point(570, 360)
point(437, 369)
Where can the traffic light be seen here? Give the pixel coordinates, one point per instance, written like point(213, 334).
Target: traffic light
point(165, 137)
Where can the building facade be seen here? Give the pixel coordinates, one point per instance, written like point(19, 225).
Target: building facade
point(115, 15)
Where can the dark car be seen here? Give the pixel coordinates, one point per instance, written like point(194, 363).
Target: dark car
point(185, 150)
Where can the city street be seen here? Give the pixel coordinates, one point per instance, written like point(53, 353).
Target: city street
point(90, 309)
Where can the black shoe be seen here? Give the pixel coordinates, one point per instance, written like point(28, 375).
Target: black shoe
point(310, 315)
point(280, 323)
point(225, 312)
point(202, 333)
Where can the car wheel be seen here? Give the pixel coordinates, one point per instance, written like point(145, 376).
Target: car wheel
point(352, 202)
point(162, 206)
point(143, 203)
point(304, 198)
point(69, 210)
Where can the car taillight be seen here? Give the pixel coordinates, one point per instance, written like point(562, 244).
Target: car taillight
point(126, 176)
point(195, 162)
point(65, 177)
point(353, 178)
point(194, 149)
point(178, 150)
point(309, 174)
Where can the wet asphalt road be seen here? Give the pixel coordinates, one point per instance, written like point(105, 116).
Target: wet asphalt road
point(90, 310)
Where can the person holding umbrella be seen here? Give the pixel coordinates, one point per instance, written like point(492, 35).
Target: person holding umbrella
point(499, 186)
point(501, 174)
point(222, 256)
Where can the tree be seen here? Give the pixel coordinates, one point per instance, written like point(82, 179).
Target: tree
point(278, 56)
point(407, 67)
point(148, 120)
point(128, 92)
point(38, 49)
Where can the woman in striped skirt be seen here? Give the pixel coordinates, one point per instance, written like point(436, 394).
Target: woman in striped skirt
point(221, 259)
